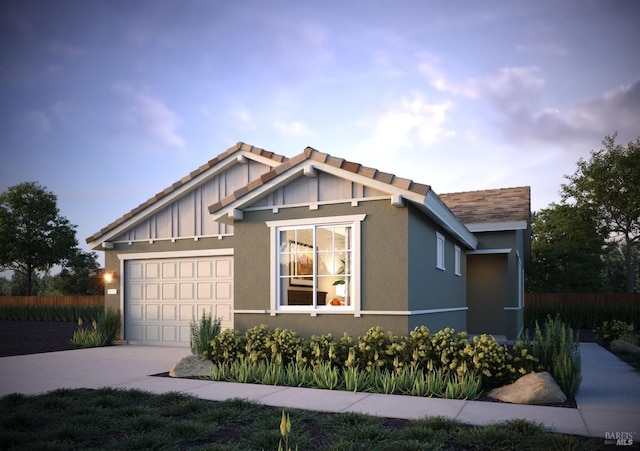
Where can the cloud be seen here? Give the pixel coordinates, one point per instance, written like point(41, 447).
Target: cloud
point(144, 113)
point(516, 97)
point(409, 121)
point(242, 116)
point(293, 128)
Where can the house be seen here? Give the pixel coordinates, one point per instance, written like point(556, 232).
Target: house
point(316, 244)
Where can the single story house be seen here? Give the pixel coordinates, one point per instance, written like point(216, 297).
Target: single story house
point(317, 244)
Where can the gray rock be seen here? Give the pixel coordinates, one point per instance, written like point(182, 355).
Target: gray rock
point(532, 388)
point(624, 347)
point(191, 366)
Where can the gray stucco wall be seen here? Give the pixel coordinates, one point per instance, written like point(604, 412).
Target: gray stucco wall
point(384, 275)
point(429, 286)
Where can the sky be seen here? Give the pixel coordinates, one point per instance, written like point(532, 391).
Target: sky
point(106, 103)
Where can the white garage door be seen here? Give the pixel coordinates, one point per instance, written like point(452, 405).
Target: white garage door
point(162, 296)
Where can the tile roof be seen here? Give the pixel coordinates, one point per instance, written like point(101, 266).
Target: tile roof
point(472, 207)
point(492, 205)
point(240, 146)
point(311, 154)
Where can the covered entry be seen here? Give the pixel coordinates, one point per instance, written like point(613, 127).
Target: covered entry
point(163, 295)
point(487, 293)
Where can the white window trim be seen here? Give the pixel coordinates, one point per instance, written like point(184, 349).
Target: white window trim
point(356, 222)
point(440, 251)
point(457, 260)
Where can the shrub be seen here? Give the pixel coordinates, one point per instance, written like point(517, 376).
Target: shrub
point(375, 349)
point(103, 332)
point(202, 333)
point(397, 361)
point(228, 345)
point(613, 330)
point(557, 352)
point(449, 349)
point(629, 337)
point(415, 348)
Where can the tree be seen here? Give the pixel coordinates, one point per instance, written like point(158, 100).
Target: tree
point(616, 272)
point(33, 235)
point(609, 183)
point(80, 275)
point(566, 250)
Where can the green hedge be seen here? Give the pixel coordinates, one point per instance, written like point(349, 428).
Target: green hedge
point(49, 312)
point(582, 316)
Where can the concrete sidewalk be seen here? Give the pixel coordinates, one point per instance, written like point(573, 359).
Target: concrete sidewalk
point(608, 400)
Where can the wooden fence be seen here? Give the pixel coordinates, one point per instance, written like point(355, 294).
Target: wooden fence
point(52, 300)
point(543, 299)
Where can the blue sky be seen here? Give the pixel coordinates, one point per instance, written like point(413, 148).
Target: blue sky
point(107, 103)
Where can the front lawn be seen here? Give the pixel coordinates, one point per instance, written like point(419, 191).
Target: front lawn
point(132, 419)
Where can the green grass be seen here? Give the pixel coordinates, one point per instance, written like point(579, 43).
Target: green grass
point(132, 419)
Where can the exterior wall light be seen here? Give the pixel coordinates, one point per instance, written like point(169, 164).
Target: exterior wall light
point(109, 277)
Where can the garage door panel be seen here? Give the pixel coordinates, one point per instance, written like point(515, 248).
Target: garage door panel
point(184, 335)
point(205, 291)
point(135, 312)
point(152, 292)
point(186, 312)
point(223, 311)
point(136, 332)
point(152, 312)
point(169, 270)
point(223, 290)
point(169, 312)
point(152, 333)
point(152, 271)
point(186, 291)
point(224, 268)
point(136, 292)
point(170, 334)
point(205, 269)
point(163, 296)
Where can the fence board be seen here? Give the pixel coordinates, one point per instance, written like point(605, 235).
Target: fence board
point(541, 299)
point(52, 300)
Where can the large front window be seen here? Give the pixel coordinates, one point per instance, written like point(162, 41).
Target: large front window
point(316, 263)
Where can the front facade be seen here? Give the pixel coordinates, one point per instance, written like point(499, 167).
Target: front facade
point(316, 244)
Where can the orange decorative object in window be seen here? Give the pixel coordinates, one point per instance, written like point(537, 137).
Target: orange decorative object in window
point(335, 301)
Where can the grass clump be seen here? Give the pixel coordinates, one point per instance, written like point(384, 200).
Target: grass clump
point(104, 330)
point(202, 334)
point(558, 353)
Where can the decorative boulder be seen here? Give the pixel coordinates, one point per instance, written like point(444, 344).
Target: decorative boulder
point(623, 347)
point(191, 366)
point(532, 388)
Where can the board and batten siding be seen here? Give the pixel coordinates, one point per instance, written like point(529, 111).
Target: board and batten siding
point(188, 216)
point(318, 189)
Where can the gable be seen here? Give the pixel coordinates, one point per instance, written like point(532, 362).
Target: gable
point(313, 178)
point(320, 188)
point(180, 211)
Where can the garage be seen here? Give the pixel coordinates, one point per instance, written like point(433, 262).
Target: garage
point(162, 296)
